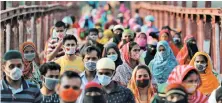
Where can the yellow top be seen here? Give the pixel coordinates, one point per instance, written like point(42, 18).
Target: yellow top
point(76, 65)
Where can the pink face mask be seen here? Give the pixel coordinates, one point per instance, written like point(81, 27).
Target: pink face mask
point(141, 42)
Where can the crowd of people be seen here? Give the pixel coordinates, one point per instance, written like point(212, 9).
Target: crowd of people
point(107, 58)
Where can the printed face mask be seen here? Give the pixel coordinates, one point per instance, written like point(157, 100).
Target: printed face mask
point(29, 56)
point(50, 83)
point(200, 67)
point(70, 50)
point(90, 65)
point(15, 74)
point(114, 57)
point(104, 80)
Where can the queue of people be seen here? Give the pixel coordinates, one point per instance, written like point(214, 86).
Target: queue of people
point(103, 59)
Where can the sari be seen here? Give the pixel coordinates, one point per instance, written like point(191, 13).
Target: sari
point(209, 80)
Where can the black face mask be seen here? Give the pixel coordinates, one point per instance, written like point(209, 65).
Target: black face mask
point(180, 101)
point(142, 83)
point(93, 99)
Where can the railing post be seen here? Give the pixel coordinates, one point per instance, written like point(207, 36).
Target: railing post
point(21, 31)
point(171, 24)
point(200, 32)
point(220, 44)
point(2, 42)
point(217, 50)
point(8, 36)
point(15, 35)
point(33, 29)
point(188, 25)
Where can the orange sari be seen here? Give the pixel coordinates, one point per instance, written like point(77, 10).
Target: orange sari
point(133, 87)
point(183, 56)
point(209, 80)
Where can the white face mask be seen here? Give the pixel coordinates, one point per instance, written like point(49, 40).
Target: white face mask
point(200, 67)
point(70, 50)
point(29, 56)
point(15, 73)
point(114, 57)
point(104, 80)
point(90, 65)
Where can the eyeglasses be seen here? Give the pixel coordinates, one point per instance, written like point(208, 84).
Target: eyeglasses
point(73, 87)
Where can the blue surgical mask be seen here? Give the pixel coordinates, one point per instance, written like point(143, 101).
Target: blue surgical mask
point(113, 57)
point(50, 83)
point(29, 56)
point(104, 80)
point(90, 65)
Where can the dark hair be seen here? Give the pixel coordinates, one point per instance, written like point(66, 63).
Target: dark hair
point(69, 74)
point(73, 19)
point(141, 66)
point(94, 30)
point(205, 58)
point(89, 49)
point(189, 73)
point(49, 66)
point(69, 37)
point(98, 24)
point(131, 45)
point(60, 24)
point(166, 27)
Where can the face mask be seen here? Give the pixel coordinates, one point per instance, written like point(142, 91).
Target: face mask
point(69, 95)
point(200, 67)
point(50, 83)
point(180, 101)
point(136, 56)
point(94, 37)
point(100, 35)
point(104, 80)
point(90, 65)
point(141, 42)
point(142, 83)
point(176, 40)
point(29, 56)
point(113, 57)
point(93, 99)
point(191, 88)
point(70, 51)
point(15, 74)
point(163, 55)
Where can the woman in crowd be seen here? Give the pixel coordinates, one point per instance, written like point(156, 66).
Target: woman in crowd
point(140, 84)
point(189, 77)
point(130, 57)
point(165, 35)
point(188, 50)
point(31, 62)
point(202, 62)
point(127, 36)
point(141, 40)
point(163, 63)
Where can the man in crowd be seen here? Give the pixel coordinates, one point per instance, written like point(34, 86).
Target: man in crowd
point(53, 48)
point(114, 93)
point(90, 57)
point(50, 74)
point(91, 39)
point(14, 88)
point(68, 88)
point(70, 61)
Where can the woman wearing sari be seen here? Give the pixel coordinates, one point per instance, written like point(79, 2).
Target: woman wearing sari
point(165, 35)
point(31, 62)
point(163, 63)
point(130, 57)
point(202, 62)
point(140, 84)
point(189, 77)
point(188, 50)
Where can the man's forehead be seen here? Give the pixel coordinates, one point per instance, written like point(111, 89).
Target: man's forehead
point(14, 61)
point(70, 81)
point(59, 28)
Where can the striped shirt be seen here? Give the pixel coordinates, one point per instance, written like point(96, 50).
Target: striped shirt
point(28, 93)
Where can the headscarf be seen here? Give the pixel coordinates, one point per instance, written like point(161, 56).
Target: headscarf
point(126, 53)
point(182, 56)
point(133, 87)
point(162, 65)
point(28, 69)
point(172, 45)
point(177, 76)
point(107, 35)
point(114, 46)
point(177, 88)
point(142, 42)
point(209, 80)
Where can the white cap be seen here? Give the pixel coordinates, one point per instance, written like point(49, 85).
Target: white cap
point(105, 63)
point(118, 27)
